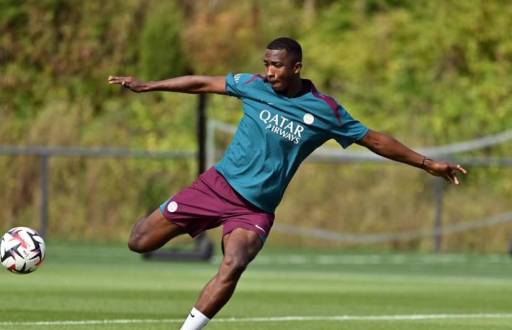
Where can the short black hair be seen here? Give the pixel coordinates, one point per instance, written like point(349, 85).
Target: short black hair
point(292, 47)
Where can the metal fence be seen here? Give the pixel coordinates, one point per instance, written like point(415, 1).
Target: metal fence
point(321, 155)
point(45, 153)
point(451, 152)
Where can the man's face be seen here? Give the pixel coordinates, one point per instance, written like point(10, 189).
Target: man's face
point(280, 69)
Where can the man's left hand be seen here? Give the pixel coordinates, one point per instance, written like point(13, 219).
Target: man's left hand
point(445, 170)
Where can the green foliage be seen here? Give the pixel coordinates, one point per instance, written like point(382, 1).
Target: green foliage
point(160, 50)
point(439, 62)
point(428, 72)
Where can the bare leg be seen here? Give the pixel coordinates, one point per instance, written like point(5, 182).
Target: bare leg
point(240, 247)
point(152, 232)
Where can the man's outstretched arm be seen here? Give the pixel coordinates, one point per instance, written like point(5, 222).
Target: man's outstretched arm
point(387, 146)
point(183, 84)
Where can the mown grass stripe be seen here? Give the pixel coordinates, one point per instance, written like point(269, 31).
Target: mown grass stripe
point(410, 317)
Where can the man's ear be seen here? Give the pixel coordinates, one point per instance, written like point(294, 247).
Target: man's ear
point(296, 68)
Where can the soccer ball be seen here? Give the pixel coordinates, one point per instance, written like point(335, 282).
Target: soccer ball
point(22, 250)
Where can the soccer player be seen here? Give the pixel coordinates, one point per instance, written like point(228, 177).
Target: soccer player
point(284, 119)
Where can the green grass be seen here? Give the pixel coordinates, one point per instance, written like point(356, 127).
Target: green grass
point(96, 282)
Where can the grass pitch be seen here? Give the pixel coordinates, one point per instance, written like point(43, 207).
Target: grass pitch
point(108, 287)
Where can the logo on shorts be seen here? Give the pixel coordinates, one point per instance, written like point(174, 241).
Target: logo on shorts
point(172, 206)
point(263, 230)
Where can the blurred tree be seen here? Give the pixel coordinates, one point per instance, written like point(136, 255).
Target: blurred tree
point(160, 45)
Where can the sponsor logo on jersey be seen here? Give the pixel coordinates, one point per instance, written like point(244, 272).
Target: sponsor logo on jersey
point(282, 126)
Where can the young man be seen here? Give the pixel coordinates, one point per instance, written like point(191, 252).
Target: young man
point(285, 119)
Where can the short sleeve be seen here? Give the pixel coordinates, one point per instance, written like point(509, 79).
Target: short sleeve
point(348, 130)
point(238, 84)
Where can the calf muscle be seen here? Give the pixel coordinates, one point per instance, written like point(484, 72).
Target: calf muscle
point(241, 246)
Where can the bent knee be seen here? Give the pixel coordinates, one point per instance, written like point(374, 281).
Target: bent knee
point(136, 244)
point(152, 232)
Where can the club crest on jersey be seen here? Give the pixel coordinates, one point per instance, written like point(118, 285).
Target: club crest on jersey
point(308, 119)
point(282, 126)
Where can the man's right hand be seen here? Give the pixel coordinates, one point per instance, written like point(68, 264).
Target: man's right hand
point(127, 82)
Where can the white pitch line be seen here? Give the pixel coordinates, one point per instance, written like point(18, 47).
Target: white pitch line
point(411, 317)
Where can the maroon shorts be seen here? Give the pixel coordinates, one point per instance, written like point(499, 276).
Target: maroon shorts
point(210, 202)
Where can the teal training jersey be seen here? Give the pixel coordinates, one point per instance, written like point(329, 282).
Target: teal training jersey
point(276, 133)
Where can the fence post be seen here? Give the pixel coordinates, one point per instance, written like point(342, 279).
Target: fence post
point(201, 134)
point(43, 217)
point(438, 221)
point(210, 143)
